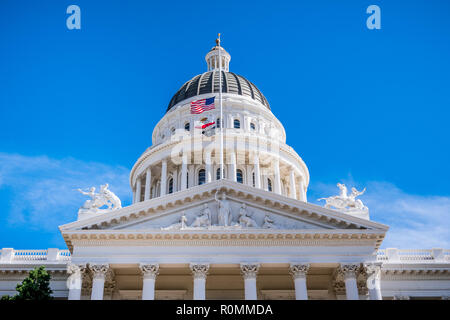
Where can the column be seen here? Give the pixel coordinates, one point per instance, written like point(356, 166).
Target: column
point(175, 180)
point(292, 188)
point(191, 175)
point(351, 288)
point(230, 123)
point(138, 190)
point(184, 172)
point(199, 271)
point(232, 167)
point(373, 271)
point(208, 166)
point(98, 280)
point(149, 273)
point(298, 272)
point(148, 179)
point(248, 170)
point(75, 280)
point(302, 189)
point(249, 272)
point(257, 173)
point(163, 177)
point(277, 179)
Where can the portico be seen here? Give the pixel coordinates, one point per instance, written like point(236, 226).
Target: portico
point(200, 281)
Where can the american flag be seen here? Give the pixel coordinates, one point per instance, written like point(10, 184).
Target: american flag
point(202, 105)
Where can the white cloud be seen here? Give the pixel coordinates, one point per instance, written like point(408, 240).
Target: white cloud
point(44, 192)
point(415, 221)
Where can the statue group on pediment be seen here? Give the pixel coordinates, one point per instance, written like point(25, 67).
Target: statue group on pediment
point(346, 202)
point(224, 217)
point(98, 200)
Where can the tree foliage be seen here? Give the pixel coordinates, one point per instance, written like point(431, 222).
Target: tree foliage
point(34, 287)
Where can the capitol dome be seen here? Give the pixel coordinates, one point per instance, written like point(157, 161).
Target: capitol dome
point(208, 82)
point(238, 139)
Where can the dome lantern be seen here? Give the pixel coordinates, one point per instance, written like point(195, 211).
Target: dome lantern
point(212, 58)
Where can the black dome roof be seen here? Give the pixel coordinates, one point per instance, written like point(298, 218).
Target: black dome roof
point(208, 82)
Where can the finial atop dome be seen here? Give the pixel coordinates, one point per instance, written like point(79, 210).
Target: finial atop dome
point(212, 58)
point(218, 40)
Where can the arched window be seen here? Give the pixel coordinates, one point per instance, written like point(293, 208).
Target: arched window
point(239, 176)
point(252, 126)
point(237, 124)
point(201, 176)
point(218, 174)
point(269, 185)
point(187, 126)
point(170, 185)
point(253, 179)
point(218, 123)
point(187, 180)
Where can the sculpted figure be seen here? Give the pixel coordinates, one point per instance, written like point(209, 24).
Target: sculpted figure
point(356, 203)
point(224, 214)
point(244, 219)
point(346, 203)
point(179, 225)
point(340, 201)
point(204, 219)
point(268, 223)
point(112, 201)
point(98, 200)
point(94, 203)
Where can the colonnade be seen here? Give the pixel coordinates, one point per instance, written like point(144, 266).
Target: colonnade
point(295, 186)
point(249, 272)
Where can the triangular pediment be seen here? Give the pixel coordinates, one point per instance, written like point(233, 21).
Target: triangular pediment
point(265, 210)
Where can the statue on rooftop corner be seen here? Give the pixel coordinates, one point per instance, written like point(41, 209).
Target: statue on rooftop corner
point(104, 198)
point(347, 203)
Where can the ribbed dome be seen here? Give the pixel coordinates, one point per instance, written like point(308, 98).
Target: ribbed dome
point(208, 82)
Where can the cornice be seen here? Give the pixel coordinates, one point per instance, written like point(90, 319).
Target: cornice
point(256, 237)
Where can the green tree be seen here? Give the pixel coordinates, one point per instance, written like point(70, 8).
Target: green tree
point(35, 287)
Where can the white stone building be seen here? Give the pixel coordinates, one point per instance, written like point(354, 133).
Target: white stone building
point(191, 235)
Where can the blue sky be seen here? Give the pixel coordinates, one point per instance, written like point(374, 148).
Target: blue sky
point(369, 108)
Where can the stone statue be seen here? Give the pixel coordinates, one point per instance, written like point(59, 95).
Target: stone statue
point(204, 219)
point(178, 225)
point(98, 200)
point(347, 203)
point(224, 214)
point(268, 223)
point(113, 201)
point(244, 219)
point(339, 201)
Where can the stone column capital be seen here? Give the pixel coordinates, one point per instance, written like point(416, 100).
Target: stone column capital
point(298, 270)
point(349, 270)
point(99, 270)
point(76, 269)
point(249, 270)
point(373, 269)
point(149, 271)
point(199, 270)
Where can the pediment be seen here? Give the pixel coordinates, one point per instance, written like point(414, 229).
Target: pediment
point(266, 209)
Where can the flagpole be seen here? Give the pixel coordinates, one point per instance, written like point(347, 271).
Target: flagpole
point(221, 114)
